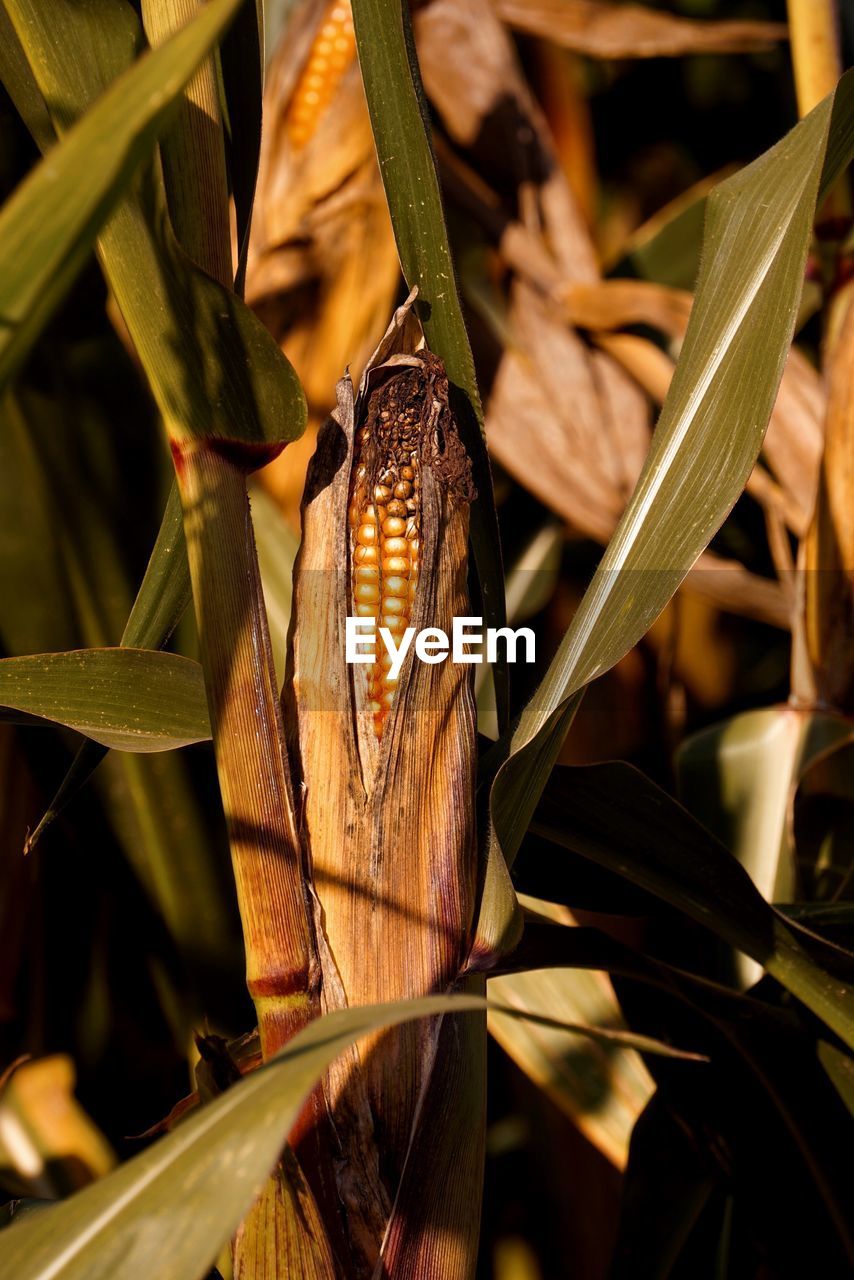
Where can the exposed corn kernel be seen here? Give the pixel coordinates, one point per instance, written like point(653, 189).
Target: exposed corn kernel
point(396, 565)
point(385, 546)
point(330, 56)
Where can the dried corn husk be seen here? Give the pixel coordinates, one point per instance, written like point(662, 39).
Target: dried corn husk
point(388, 821)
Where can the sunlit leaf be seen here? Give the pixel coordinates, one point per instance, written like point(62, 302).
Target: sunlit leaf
point(48, 227)
point(840, 1067)
point(739, 779)
point(708, 437)
point(213, 368)
point(169, 1210)
point(602, 1086)
point(129, 699)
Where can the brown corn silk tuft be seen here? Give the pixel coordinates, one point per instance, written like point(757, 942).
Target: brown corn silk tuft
point(388, 815)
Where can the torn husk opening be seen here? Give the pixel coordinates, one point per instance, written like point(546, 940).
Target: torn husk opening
point(386, 759)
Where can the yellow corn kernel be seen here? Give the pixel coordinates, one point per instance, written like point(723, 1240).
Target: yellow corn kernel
point(396, 565)
point(384, 541)
point(329, 58)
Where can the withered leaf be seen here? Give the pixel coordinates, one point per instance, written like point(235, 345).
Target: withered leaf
point(603, 30)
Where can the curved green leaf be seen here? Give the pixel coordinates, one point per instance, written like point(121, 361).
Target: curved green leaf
point(242, 60)
point(49, 225)
point(758, 230)
point(159, 606)
point(213, 368)
point(840, 1068)
point(739, 778)
point(603, 1087)
point(168, 1211)
point(129, 699)
point(165, 591)
point(615, 816)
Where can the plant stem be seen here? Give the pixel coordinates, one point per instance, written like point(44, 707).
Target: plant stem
point(193, 152)
point(248, 738)
point(232, 621)
point(814, 39)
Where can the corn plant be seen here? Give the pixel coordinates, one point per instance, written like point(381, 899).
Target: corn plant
point(332, 989)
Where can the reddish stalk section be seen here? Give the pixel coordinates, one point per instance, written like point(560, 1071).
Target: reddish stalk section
point(248, 738)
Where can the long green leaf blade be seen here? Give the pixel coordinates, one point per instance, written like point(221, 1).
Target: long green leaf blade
point(128, 699)
point(168, 1211)
point(711, 428)
point(618, 818)
point(49, 225)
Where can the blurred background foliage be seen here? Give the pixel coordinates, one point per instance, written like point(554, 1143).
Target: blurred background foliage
point(118, 933)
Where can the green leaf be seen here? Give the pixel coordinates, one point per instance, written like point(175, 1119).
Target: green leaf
point(671, 255)
point(17, 80)
point(168, 1211)
point(129, 699)
point(49, 225)
point(158, 608)
point(402, 136)
point(761, 1076)
point(165, 591)
point(739, 779)
point(602, 1086)
point(617, 817)
point(60, 458)
point(213, 368)
point(840, 1068)
point(667, 1185)
point(758, 229)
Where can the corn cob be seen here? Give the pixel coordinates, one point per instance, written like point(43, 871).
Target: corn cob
point(385, 524)
point(331, 54)
point(388, 770)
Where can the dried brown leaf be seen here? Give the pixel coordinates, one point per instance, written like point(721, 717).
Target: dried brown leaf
point(616, 304)
point(792, 445)
point(49, 1146)
point(795, 437)
point(727, 584)
point(323, 268)
point(603, 30)
point(568, 426)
